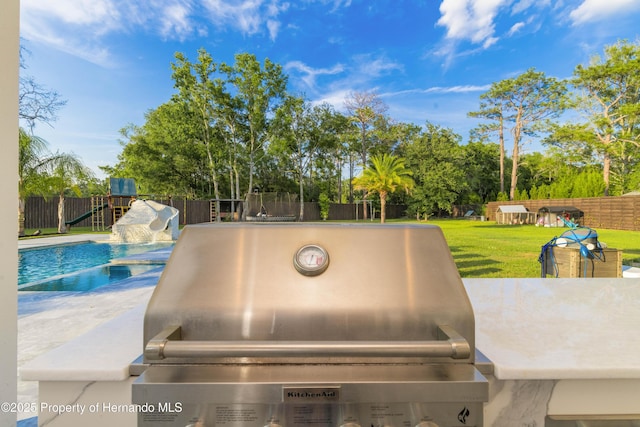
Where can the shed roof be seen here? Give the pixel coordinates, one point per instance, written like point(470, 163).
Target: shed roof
point(512, 209)
point(558, 209)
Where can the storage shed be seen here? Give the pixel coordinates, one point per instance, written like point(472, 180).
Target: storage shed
point(559, 216)
point(514, 214)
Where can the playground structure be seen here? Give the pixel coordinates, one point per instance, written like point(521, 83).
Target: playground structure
point(146, 221)
point(122, 192)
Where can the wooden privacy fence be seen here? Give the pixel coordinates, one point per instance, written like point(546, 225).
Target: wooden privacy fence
point(613, 213)
point(41, 213)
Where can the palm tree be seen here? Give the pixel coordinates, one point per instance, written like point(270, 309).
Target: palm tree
point(31, 163)
point(385, 174)
point(41, 173)
point(65, 173)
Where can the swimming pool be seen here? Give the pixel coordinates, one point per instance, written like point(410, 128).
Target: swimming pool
point(57, 262)
point(90, 279)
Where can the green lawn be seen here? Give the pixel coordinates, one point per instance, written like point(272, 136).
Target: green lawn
point(485, 249)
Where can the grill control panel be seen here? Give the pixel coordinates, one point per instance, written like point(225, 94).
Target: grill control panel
point(323, 415)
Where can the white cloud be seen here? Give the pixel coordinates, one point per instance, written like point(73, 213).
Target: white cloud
point(78, 26)
point(248, 16)
point(471, 20)
point(524, 5)
point(310, 74)
point(175, 20)
point(594, 10)
point(334, 98)
point(438, 89)
point(515, 28)
point(375, 67)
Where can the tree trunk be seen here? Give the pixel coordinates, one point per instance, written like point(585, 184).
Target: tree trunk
point(517, 134)
point(606, 172)
point(501, 137)
point(62, 227)
point(383, 206)
point(301, 214)
point(21, 204)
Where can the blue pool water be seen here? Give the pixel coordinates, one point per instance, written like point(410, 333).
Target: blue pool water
point(37, 265)
point(90, 279)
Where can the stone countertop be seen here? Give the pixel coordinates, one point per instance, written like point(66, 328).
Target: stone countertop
point(558, 328)
point(102, 354)
point(528, 328)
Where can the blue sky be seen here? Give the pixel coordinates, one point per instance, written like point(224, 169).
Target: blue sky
point(428, 60)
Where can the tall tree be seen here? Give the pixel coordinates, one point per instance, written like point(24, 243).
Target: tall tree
point(491, 109)
point(258, 88)
point(385, 174)
point(164, 155)
point(437, 162)
point(292, 129)
point(527, 102)
point(610, 97)
point(364, 109)
point(196, 84)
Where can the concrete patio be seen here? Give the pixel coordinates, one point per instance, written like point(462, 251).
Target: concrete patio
point(47, 320)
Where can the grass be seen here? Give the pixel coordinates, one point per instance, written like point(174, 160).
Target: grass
point(485, 249)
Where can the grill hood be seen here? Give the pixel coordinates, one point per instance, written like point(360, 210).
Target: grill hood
point(241, 286)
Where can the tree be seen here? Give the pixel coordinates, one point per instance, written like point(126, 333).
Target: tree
point(437, 162)
point(196, 87)
point(364, 109)
point(31, 161)
point(165, 154)
point(292, 128)
point(610, 97)
point(36, 102)
point(527, 102)
point(65, 172)
point(257, 89)
point(385, 174)
point(491, 109)
point(40, 172)
point(479, 166)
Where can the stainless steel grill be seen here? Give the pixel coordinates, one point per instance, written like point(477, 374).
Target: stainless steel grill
point(323, 325)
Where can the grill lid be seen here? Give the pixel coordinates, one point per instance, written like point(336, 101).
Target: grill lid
point(309, 293)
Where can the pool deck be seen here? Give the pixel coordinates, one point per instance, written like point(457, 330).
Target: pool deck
point(47, 320)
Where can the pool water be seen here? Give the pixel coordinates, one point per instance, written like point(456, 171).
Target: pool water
point(90, 279)
point(36, 265)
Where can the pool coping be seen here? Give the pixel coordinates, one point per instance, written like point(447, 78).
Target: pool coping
point(61, 240)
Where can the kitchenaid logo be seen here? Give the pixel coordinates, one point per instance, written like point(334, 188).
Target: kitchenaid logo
point(291, 394)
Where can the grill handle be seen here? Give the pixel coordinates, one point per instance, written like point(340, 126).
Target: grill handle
point(168, 344)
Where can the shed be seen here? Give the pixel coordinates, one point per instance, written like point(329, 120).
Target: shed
point(514, 214)
point(559, 216)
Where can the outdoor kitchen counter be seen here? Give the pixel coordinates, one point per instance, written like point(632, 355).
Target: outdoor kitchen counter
point(567, 348)
point(558, 328)
point(560, 347)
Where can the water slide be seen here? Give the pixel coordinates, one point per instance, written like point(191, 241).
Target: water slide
point(86, 215)
point(145, 222)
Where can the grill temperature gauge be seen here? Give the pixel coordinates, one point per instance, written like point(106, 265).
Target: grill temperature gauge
point(311, 260)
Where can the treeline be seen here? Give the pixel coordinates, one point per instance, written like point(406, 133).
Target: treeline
point(233, 129)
